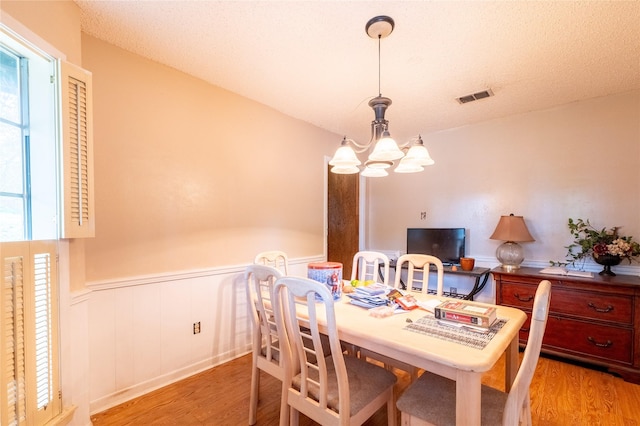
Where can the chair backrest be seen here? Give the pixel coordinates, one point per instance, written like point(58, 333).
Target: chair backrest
point(418, 272)
point(260, 281)
point(293, 295)
point(520, 388)
point(366, 266)
point(276, 258)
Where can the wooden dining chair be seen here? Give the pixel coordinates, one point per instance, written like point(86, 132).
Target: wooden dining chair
point(418, 272)
point(276, 258)
point(498, 408)
point(265, 347)
point(366, 266)
point(333, 390)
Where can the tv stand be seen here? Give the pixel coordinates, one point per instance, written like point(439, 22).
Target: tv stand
point(481, 276)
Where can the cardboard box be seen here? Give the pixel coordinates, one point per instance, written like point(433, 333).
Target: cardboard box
point(466, 313)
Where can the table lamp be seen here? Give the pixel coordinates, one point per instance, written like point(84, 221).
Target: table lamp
point(512, 230)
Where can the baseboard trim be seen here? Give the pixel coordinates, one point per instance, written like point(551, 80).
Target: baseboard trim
point(143, 388)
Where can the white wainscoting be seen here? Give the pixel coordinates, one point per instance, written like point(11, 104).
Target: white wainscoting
point(140, 330)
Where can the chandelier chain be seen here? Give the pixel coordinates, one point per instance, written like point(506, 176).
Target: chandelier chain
point(379, 73)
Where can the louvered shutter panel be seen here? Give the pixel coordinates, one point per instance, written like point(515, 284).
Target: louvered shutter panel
point(29, 349)
point(12, 357)
point(43, 354)
point(78, 216)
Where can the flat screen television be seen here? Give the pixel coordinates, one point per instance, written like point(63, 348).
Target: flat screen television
point(447, 244)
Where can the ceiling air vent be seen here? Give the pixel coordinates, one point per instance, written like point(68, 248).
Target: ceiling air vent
point(474, 97)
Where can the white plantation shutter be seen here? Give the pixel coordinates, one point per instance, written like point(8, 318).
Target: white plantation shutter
point(13, 396)
point(77, 152)
point(28, 343)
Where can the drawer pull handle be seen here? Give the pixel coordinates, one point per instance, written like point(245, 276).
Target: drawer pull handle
point(600, 345)
point(523, 299)
point(605, 310)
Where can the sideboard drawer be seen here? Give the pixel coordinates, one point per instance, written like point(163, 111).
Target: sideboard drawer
point(598, 306)
point(584, 304)
point(519, 295)
point(595, 340)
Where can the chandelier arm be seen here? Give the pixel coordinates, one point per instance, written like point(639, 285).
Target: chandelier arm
point(358, 148)
point(405, 146)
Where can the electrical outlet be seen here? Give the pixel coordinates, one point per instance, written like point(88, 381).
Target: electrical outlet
point(452, 290)
point(196, 327)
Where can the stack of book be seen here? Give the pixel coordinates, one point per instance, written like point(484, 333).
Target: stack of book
point(462, 312)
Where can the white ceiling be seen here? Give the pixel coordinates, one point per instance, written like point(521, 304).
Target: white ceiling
point(313, 60)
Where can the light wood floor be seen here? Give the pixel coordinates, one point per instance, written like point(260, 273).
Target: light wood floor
point(561, 394)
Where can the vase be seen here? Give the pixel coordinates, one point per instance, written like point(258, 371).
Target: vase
point(607, 260)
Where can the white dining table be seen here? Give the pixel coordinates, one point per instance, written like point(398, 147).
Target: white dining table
point(389, 337)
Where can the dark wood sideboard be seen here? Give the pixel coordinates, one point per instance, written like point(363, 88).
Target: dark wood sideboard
point(591, 320)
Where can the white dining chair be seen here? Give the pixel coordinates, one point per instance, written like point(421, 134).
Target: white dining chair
point(418, 268)
point(265, 348)
point(333, 390)
point(276, 258)
point(498, 408)
point(366, 266)
point(418, 272)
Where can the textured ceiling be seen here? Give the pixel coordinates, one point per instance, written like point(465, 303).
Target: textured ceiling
point(313, 60)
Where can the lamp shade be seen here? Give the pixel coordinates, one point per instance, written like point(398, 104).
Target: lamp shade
point(344, 156)
point(374, 172)
point(511, 228)
point(345, 170)
point(419, 153)
point(386, 149)
point(408, 166)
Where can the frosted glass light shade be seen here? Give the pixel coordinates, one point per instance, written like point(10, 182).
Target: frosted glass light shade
point(374, 172)
point(408, 166)
point(345, 170)
point(420, 154)
point(345, 156)
point(386, 149)
point(378, 164)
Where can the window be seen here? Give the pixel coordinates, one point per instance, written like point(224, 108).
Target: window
point(46, 180)
point(14, 200)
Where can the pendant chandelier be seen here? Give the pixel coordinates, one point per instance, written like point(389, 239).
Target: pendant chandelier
point(413, 155)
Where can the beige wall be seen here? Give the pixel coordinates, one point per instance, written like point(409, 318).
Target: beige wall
point(580, 160)
point(191, 176)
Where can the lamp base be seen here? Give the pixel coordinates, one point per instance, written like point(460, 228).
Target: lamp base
point(510, 268)
point(510, 255)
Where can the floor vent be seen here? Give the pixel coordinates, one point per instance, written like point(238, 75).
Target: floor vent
point(474, 97)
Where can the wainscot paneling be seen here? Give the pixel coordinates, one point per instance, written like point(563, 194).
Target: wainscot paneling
point(140, 329)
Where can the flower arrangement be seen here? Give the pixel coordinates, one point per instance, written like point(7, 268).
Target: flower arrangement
point(597, 243)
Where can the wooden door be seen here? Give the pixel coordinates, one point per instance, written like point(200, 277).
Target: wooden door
point(343, 220)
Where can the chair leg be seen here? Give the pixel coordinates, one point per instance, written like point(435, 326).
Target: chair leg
point(294, 417)
point(525, 413)
point(255, 387)
point(391, 410)
point(284, 406)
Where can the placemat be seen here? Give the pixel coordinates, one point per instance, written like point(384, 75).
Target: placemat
point(429, 326)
